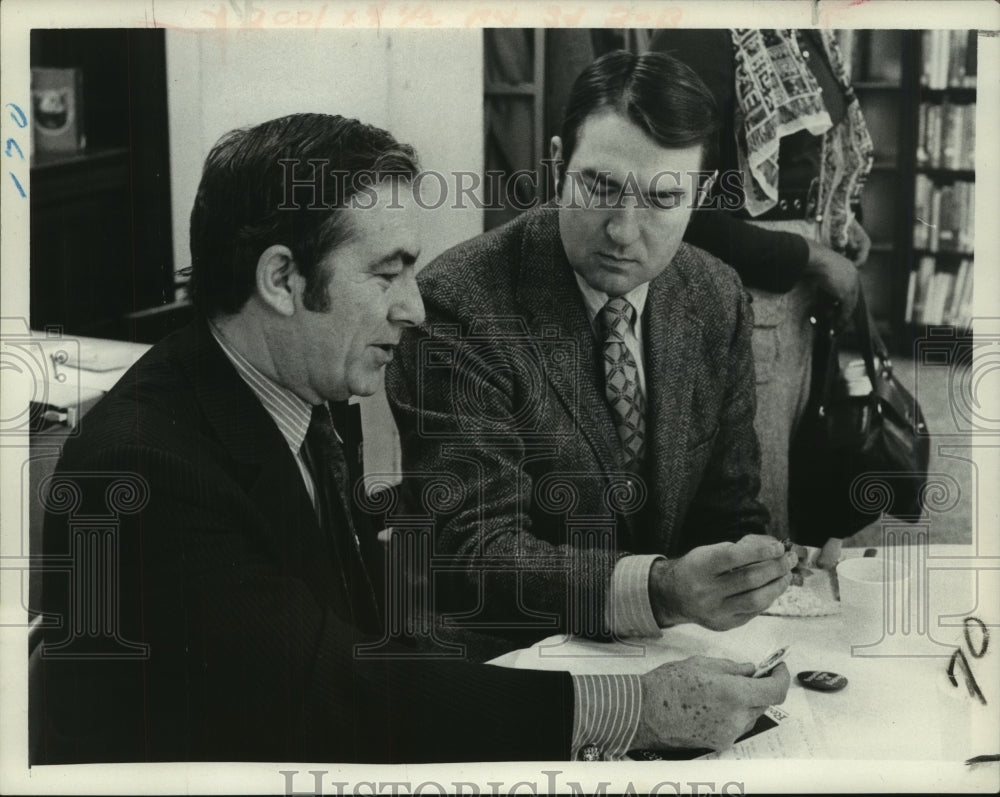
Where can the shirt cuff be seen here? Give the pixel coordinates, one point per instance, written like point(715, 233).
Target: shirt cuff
point(629, 610)
point(606, 714)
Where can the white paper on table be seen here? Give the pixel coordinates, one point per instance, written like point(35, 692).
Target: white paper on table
point(797, 735)
point(588, 657)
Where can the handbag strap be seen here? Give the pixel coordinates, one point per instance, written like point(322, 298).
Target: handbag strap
point(827, 347)
point(869, 340)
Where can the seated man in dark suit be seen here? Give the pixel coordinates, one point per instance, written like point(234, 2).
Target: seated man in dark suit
point(215, 603)
point(588, 379)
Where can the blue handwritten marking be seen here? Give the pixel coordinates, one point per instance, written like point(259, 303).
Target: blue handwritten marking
point(17, 115)
point(18, 184)
point(12, 144)
point(19, 118)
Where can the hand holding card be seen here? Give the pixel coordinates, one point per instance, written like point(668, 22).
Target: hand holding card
point(772, 661)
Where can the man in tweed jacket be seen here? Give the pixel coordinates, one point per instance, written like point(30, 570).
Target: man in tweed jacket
point(500, 391)
point(242, 626)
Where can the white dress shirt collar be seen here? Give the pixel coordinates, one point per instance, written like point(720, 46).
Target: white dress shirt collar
point(290, 413)
point(594, 300)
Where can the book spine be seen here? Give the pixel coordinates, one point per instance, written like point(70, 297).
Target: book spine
point(969, 137)
point(911, 290)
point(956, 137)
point(956, 58)
point(965, 305)
point(930, 303)
point(949, 137)
point(955, 307)
point(935, 220)
point(922, 211)
point(922, 154)
point(962, 216)
point(925, 274)
point(941, 57)
point(947, 296)
point(971, 66)
point(845, 41)
point(948, 220)
point(927, 56)
point(934, 122)
point(943, 282)
point(970, 218)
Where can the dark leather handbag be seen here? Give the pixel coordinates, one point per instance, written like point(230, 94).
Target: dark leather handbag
point(855, 457)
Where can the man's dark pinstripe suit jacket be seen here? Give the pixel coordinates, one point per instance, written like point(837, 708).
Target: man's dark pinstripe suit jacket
point(223, 572)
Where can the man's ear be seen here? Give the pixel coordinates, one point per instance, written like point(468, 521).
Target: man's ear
point(278, 279)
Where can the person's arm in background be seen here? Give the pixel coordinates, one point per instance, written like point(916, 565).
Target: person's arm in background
point(765, 259)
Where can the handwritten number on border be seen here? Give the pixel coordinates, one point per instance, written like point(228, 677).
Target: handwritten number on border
point(11, 145)
point(959, 660)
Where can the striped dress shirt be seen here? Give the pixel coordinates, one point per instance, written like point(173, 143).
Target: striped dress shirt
point(290, 413)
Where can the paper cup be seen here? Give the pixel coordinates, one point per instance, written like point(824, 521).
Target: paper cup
point(873, 597)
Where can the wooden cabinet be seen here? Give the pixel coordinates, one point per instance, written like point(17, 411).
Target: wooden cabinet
point(101, 244)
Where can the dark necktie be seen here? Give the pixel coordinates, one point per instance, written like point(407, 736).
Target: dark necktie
point(327, 463)
point(621, 383)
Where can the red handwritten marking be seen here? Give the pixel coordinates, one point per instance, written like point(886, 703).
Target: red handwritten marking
point(257, 18)
point(375, 16)
point(627, 17)
point(419, 14)
point(482, 17)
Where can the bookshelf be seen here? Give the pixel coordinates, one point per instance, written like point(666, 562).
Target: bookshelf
point(917, 90)
point(882, 77)
point(939, 291)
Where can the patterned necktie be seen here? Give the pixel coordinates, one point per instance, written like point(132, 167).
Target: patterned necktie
point(621, 385)
point(326, 461)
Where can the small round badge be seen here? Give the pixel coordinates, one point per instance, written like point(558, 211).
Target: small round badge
point(822, 681)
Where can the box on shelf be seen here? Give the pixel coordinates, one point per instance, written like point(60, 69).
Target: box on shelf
point(57, 110)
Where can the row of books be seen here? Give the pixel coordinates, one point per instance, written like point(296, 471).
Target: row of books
point(944, 216)
point(946, 136)
point(949, 58)
point(940, 297)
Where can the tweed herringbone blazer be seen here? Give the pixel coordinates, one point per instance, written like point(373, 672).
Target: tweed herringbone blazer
point(499, 396)
point(222, 572)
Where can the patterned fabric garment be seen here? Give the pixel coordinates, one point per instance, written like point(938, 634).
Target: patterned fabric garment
point(777, 95)
point(622, 381)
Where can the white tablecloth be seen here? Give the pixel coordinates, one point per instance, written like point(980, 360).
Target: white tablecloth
point(899, 703)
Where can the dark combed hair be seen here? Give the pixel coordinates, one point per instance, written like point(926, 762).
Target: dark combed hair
point(664, 97)
point(242, 206)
